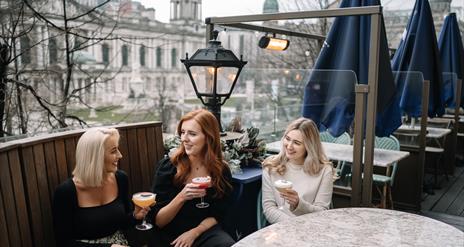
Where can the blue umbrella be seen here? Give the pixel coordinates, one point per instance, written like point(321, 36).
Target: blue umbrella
point(347, 48)
point(418, 51)
point(452, 56)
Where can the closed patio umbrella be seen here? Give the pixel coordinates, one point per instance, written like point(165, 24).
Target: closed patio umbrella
point(418, 51)
point(347, 48)
point(451, 55)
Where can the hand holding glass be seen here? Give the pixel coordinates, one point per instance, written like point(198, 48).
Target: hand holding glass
point(143, 200)
point(282, 185)
point(203, 183)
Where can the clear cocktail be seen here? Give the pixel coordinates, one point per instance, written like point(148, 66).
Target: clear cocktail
point(282, 185)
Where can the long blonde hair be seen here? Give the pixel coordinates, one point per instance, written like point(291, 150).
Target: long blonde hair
point(315, 158)
point(90, 156)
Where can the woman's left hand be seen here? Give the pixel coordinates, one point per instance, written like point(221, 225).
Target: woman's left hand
point(139, 213)
point(291, 196)
point(185, 239)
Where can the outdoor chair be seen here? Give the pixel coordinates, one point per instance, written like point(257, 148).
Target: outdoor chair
point(383, 182)
point(345, 138)
point(261, 221)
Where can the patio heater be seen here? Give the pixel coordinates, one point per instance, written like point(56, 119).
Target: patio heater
point(213, 71)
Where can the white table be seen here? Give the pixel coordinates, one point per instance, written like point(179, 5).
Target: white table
point(342, 152)
point(432, 132)
point(356, 227)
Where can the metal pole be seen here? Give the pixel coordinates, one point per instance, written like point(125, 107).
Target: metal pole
point(422, 139)
point(373, 78)
point(360, 106)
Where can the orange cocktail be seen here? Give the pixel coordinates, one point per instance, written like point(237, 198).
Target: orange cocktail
point(143, 200)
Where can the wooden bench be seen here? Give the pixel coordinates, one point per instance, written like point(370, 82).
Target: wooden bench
point(31, 168)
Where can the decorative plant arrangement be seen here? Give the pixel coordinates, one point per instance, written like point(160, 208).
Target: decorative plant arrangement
point(240, 152)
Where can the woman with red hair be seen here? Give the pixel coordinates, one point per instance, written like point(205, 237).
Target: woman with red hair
point(181, 219)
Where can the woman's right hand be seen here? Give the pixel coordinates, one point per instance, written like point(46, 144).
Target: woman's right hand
point(192, 191)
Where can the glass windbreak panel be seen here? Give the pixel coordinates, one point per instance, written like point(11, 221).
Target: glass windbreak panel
point(449, 89)
point(409, 86)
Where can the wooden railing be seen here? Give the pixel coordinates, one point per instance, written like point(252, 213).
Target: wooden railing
point(31, 168)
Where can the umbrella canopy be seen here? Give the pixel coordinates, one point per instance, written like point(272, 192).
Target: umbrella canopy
point(418, 51)
point(347, 48)
point(451, 55)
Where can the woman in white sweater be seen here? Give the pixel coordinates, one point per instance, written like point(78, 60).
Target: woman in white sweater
point(302, 162)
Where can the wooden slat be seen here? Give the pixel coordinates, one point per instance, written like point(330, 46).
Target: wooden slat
point(70, 151)
point(61, 161)
point(159, 145)
point(9, 201)
point(52, 169)
point(449, 197)
point(45, 201)
point(34, 205)
point(4, 239)
point(19, 193)
point(134, 160)
point(143, 159)
point(152, 153)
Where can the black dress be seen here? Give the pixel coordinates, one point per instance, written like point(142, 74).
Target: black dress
point(189, 216)
point(72, 222)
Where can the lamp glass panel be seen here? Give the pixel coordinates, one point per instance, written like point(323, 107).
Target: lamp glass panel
point(204, 78)
point(225, 78)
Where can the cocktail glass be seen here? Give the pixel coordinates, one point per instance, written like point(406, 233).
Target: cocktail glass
point(143, 200)
point(203, 183)
point(282, 185)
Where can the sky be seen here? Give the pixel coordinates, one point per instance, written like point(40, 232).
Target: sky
point(245, 7)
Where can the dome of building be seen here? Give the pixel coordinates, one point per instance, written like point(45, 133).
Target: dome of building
point(270, 6)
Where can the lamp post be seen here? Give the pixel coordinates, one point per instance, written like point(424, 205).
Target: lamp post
point(213, 71)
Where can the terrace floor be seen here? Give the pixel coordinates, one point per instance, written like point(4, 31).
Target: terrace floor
point(447, 205)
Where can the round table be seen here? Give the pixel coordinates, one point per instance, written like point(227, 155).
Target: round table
point(356, 227)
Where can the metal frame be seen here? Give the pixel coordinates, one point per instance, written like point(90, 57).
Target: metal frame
point(361, 195)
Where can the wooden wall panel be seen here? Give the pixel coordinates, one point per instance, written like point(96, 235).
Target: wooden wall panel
point(34, 206)
point(8, 206)
point(20, 197)
point(61, 162)
point(4, 239)
point(152, 153)
point(44, 194)
point(70, 151)
point(134, 163)
point(143, 159)
point(52, 167)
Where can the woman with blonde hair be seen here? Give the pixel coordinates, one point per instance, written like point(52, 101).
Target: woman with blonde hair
point(302, 173)
point(182, 213)
point(92, 207)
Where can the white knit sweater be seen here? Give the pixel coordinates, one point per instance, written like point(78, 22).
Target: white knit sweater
point(314, 192)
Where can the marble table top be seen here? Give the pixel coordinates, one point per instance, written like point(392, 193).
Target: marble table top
point(334, 151)
point(432, 132)
point(356, 227)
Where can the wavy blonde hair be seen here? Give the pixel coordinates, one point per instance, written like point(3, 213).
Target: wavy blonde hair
point(90, 156)
point(315, 157)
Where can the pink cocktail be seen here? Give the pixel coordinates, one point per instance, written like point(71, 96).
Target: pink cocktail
point(203, 183)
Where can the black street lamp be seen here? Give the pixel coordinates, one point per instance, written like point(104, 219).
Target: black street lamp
point(213, 71)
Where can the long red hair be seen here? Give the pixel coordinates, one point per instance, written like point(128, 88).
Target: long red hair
point(212, 155)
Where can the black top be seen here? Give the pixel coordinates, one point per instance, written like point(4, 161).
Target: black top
point(72, 222)
point(189, 216)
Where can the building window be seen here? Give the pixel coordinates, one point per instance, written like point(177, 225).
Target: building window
point(173, 57)
point(106, 54)
point(125, 55)
point(25, 44)
point(159, 57)
point(142, 55)
point(52, 51)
